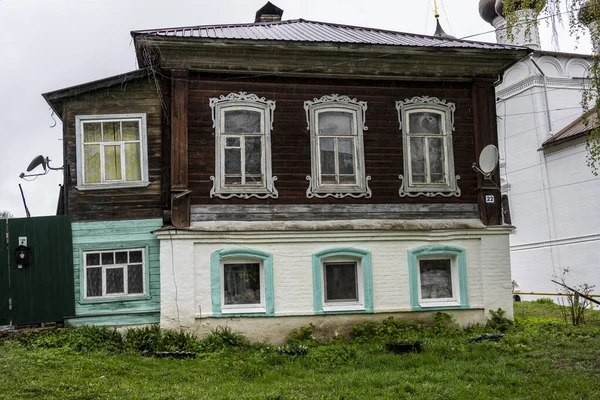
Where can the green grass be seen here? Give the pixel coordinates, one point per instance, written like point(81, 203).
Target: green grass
point(540, 358)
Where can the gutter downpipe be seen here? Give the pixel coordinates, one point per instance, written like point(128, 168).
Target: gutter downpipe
point(545, 94)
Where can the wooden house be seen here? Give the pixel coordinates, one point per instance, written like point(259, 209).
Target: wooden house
point(290, 172)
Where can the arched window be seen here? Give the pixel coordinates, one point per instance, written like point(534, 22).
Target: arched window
point(336, 125)
point(242, 282)
point(342, 280)
point(427, 124)
point(438, 277)
point(243, 124)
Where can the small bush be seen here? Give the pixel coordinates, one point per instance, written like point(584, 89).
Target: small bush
point(333, 355)
point(303, 334)
point(444, 324)
point(145, 339)
point(83, 339)
point(498, 322)
point(388, 329)
point(222, 338)
point(546, 301)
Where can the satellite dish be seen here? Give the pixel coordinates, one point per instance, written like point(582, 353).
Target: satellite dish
point(39, 160)
point(488, 159)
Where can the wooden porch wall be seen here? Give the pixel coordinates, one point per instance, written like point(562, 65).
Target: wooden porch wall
point(291, 140)
point(113, 204)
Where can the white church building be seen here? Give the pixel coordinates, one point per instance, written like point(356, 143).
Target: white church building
point(549, 192)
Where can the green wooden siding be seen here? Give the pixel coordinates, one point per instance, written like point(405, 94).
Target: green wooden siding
point(5, 316)
point(41, 291)
point(115, 235)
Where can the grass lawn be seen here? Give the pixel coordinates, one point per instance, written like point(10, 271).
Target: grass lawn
point(539, 358)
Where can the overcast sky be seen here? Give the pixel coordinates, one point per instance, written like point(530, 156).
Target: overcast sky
point(46, 45)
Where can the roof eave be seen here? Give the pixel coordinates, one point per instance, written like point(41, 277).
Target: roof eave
point(501, 58)
point(56, 97)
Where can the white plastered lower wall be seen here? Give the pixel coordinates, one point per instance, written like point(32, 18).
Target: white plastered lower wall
point(186, 285)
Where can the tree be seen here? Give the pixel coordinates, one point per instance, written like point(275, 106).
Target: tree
point(5, 214)
point(582, 16)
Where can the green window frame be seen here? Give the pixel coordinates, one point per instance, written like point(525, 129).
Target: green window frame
point(459, 297)
point(364, 280)
point(221, 260)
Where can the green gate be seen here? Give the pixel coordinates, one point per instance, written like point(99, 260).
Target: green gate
point(41, 291)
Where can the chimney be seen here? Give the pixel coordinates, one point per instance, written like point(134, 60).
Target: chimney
point(268, 13)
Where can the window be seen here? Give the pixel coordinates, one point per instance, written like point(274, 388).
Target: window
point(342, 281)
point(111, 151)
point(114, 273)
point(243, 124)
point(438, 277)
point(242, 282)
point(427, 124)
point(336, 125)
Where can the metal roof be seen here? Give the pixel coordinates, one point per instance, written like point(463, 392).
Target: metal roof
point(580, 127)
point(300, 30)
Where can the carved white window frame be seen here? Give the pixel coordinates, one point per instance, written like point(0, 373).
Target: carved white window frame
point(251, 102)
point(446, 110)
point(358, 110)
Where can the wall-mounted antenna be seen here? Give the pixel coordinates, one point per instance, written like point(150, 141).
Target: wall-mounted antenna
point(488, 161)
point(36, 162)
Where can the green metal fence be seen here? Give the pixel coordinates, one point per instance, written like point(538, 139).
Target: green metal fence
point(42, 290)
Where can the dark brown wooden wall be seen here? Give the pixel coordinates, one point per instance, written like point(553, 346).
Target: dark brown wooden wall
point(290, 139)
point(109, 204)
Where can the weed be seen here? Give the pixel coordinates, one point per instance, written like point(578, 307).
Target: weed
point(222, 338)
point(499, 322)
point(545, 300)
point(303, 334)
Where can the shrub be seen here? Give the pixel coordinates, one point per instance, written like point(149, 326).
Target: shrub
point(303, 334)
point(499, 322)
point(145, 339)
point(222, 338)
point(546, 301)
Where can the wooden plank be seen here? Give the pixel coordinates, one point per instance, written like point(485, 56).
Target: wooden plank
point(319, 212)
point(484, 121)
point(180, 199)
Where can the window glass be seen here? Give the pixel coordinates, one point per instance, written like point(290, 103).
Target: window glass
point(133, 167)
point(341, 283)
point(135, 256)
point(253, 160)
point(94, 282)
point(92, 132)
point(242, 121)
point(335, 123)
point(425, 122)
point(436, 279)
point(417, 159)
point(111, 131)
point(241, 283)
point(135, 278)
point(121, 257)
point(114, 281)
point(131, 130)
point(436, 160)
point(91, 153)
